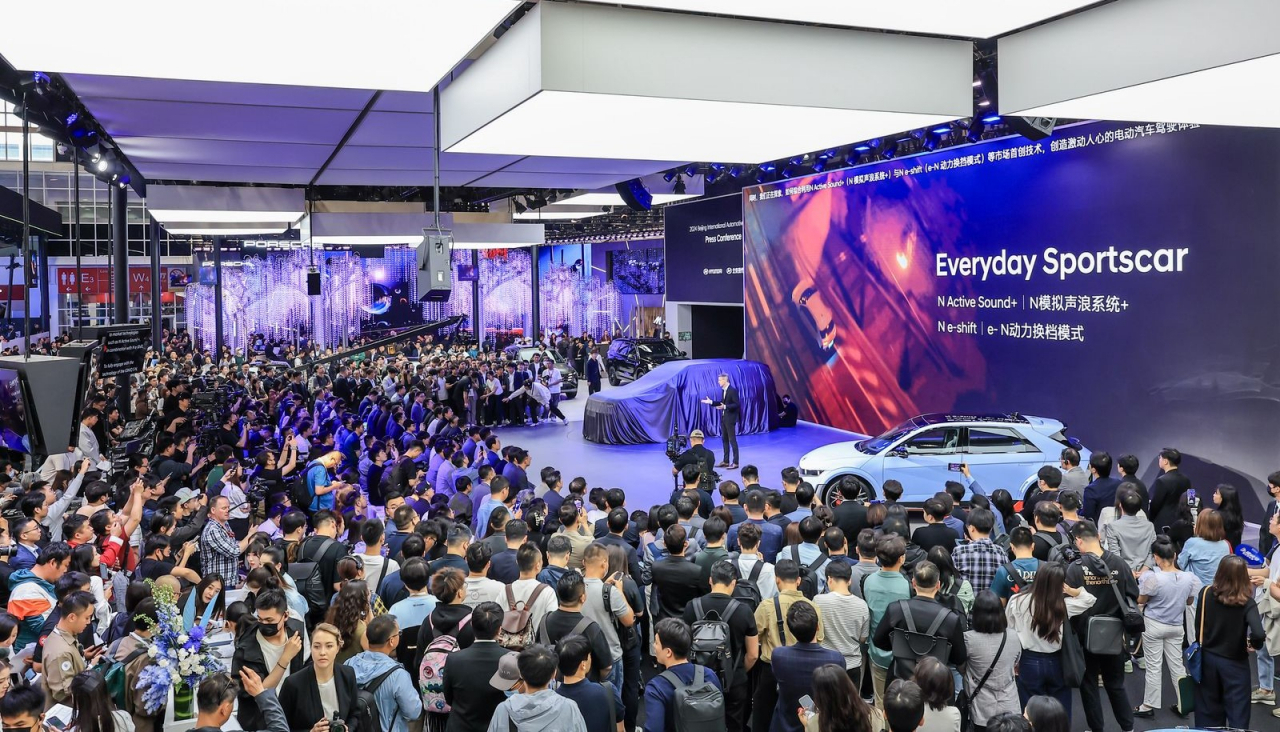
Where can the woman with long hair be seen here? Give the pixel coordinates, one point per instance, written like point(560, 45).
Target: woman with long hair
point(1037, 615)
point(91, 706)
point(204, 602)
point(1047, 714)
point(86, 559)
point(1229, 627)
point(949, 579)
point(837, 705)
point(938, 687)
point(1164, 592)
point(994, 650)
point(1002, 501)
point(1202, 552)
point(349, 613)
point(1227, 500)
point(324, 688)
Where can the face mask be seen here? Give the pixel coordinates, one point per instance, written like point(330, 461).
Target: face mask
point(269, 631)
point(510, 693)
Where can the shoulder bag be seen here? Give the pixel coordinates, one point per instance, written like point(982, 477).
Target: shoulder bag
point(1192, 656)
point(965, 700)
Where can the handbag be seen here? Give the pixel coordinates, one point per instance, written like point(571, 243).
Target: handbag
point(964, 701)
point(1192, 657)
point(1072, 656)
point(1106, 635)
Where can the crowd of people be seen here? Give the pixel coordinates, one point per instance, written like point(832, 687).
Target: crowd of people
point(382, 557)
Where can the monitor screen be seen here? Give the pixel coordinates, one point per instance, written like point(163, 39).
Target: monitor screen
point(14, 432)
point(467, 273)
point(178, 278)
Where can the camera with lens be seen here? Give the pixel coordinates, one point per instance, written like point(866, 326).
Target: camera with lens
point(676, 445)
point(8, 551)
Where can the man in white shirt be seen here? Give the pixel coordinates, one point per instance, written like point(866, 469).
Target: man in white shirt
point(479, 587)
point(554, 381)
point(538, 598)
point(376, 566)
point(749, 557)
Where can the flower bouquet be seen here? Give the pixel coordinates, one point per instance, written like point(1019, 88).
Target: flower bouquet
point(179, 657)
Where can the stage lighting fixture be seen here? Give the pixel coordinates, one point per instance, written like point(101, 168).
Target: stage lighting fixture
point(103, 165)
point(977, 83)
point(826, 154)
point(735, 171)
point(690, 171)
point(889, 149)
point(636, 196)
point(984, 103)
point(520, 207)
point(976, 128)
point(768, 167)
point(762, 175)
point(124, 180)
point(991, 119)
point(862, 148)
point(819, 165)
point(71, 118)
point(1032, 128)
point(669, 176)
point(711, 177)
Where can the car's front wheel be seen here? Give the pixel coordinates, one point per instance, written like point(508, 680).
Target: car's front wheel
point(831, 495)
point(613, 377)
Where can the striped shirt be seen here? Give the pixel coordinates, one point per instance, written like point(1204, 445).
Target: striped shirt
point(848, 620)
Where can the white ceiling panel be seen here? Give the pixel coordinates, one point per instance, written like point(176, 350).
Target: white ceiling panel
point(380, 44)
point(982, 19)
point(228, 173)
point(1226, 95)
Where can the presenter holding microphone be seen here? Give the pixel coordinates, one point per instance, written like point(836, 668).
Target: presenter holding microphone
point(728, 406)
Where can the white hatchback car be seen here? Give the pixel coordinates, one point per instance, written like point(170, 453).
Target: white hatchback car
point(923, 453)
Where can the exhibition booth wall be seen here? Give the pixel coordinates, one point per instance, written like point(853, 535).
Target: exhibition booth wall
point(1118, 277)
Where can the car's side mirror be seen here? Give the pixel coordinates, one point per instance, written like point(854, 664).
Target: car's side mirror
point(898, 452)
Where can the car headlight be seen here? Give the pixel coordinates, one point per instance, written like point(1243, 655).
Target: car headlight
point(810, 472)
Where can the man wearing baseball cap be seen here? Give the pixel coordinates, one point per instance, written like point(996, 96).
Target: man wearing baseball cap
point(534, 707)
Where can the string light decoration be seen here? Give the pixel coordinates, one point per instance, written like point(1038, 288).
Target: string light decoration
point(506, 291)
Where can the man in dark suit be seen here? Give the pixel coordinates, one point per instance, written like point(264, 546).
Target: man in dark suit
point(1167, 489)
point(675, 578)
point(728, 406)
point(1101, 492)
point(467, 673)
point(618, 525)
point(851, 514)
point(595, 370)
point(793, 665)
point(1128, 465)
point(935, 532)
point(1266, 540)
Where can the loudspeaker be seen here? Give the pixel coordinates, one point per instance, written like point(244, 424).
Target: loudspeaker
point(313, 281)
point(435, 270)
point(1032, 128)
point(635, 195)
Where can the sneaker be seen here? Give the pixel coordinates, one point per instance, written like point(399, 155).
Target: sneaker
point(1142, 663)
point(1275, 712)
point(1261, 696)
point(1128, 667)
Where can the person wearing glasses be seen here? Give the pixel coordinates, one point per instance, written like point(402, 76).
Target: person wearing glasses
point(216, 698)
point(27, 532)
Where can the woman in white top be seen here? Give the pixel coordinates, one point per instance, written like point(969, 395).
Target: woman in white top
point(938, 687)
point(234, 493)
point(1037, 615)
point(1164, 593)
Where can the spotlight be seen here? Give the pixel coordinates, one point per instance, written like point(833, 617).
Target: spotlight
point(984, 103)
point(520, 207)
point(976, 128)
point(102, 164)
point(718, 167)
point(711, 177)
point(669, 176)
point(889, 150)
point(944, 130)
point(977, 83)
point(826, 154)
point(124, 181)
point(735, 171)
point(768, 167)
point(991, 119)
point(762, 175)
point(690, 171)
point(862, 148)
point(819, 165)
point(71, 118)
point(115, 177)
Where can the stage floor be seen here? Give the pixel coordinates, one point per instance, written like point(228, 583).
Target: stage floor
point(644, 471)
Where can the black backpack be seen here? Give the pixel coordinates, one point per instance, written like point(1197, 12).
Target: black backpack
point(950, 599)
point(306, 575)
point(808, 572)
point(699, 706)
point(747, 590)
point(712, 639)
point(910, 645)
point(367, 713)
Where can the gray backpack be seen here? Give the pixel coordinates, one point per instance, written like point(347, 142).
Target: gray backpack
point(699, 706)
